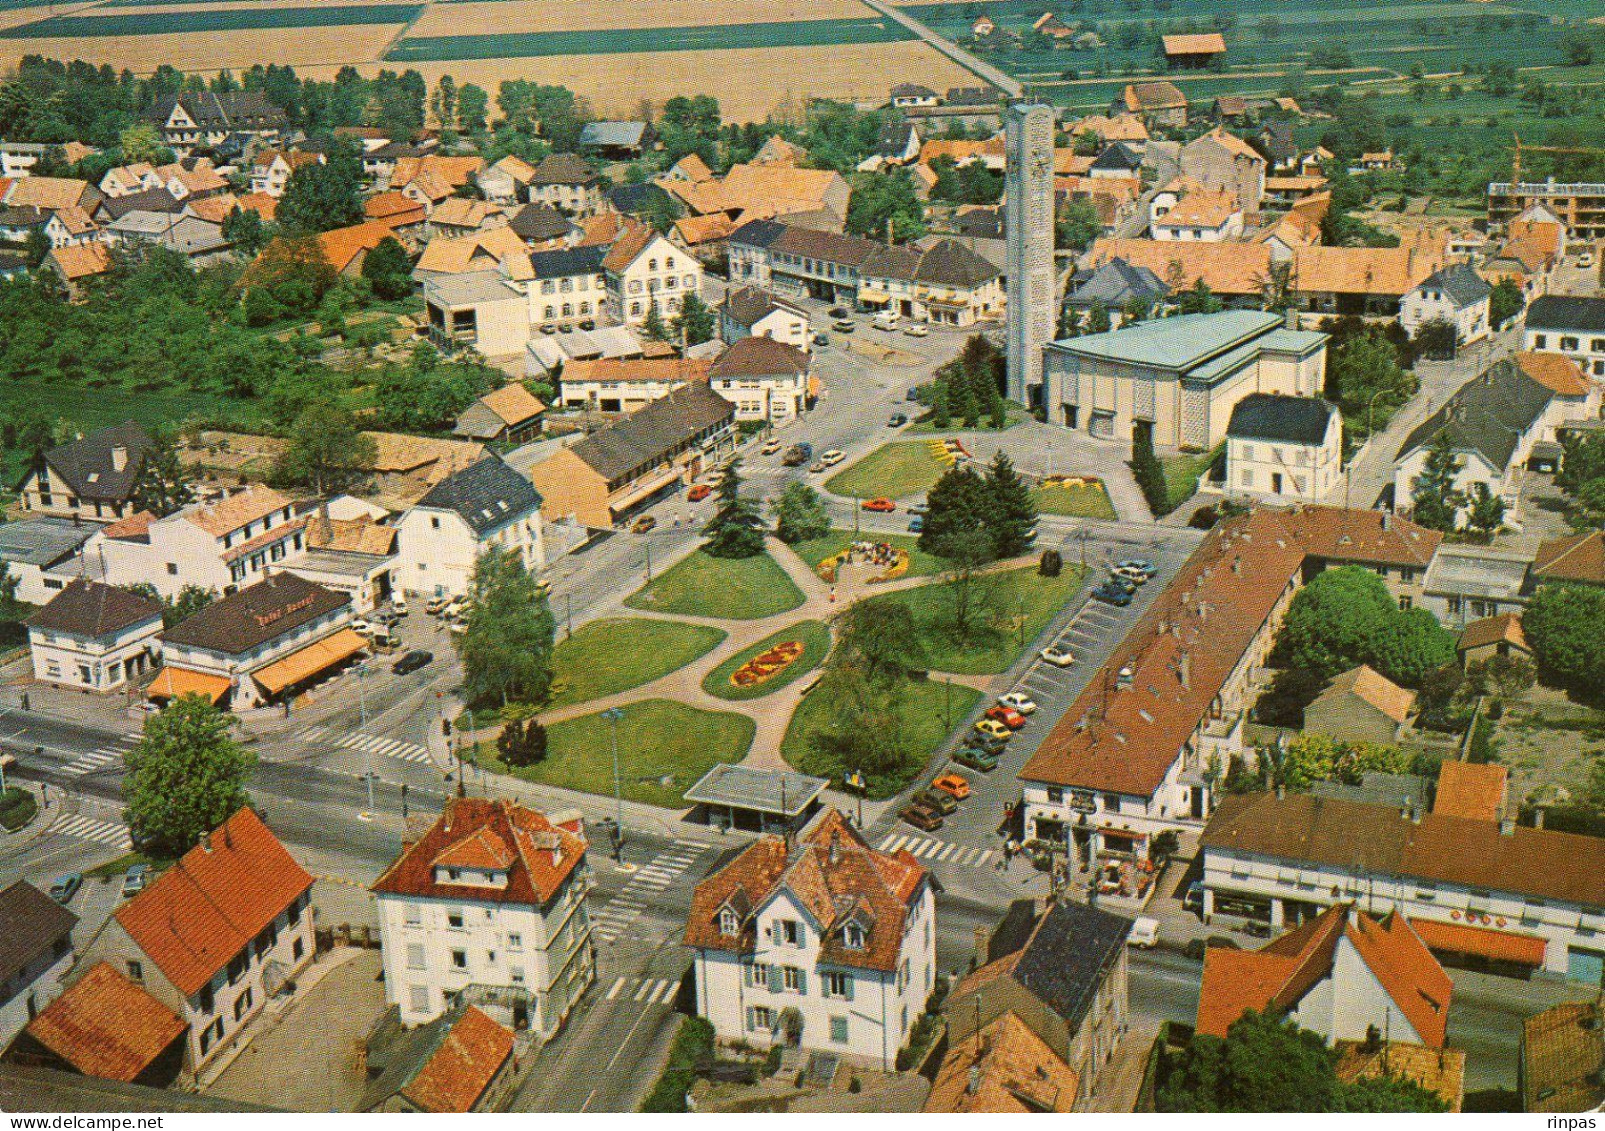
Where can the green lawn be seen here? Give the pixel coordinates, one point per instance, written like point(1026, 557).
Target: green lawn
point(614, 41)
point(1000, 599)
point(609, 656)
point(664, 747)
point(928, 711)
point(1182, 473)
point(816, 550)
point(1079, 500)
point(815, 639)
point(729, 588)
point(893, 470)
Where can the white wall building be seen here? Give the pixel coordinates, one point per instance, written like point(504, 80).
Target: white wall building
point(1284, 447)
point(754, 312)
point(830, 945)
point(485, 505)
point(765, 379)
point(38, 954)
point(1455, 294)
point(644, 269)
point(94, 637)
point(1572, 326)
point(491, 898)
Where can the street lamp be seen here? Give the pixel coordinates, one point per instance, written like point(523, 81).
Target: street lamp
point(613, 715)
point(362, 715)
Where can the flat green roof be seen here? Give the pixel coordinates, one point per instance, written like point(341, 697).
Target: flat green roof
point(1178, 343)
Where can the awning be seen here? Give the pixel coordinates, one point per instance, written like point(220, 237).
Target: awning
point(309, 661)
point(1503, 946)
point(866, 294)
point(170, 683)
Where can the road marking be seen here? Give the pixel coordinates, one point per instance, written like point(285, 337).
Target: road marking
point(614, 992)
point(696, 844)
point(666, 994)
point(642, 990)
point(892, 843)
point(946, 852)
point(87, 828)
point(928, 848)
point(89, 763)
point(312, 733)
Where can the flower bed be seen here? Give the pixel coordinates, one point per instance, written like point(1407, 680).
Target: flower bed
point(893, 558)
point(766, 665)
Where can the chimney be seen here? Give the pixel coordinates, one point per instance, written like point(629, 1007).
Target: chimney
point(206, 842)
point(119, 458)
point(974, 1083)
point(1281, 792)
point(1184, 669)
point(1387, 520)
point(835, 849)
point(1290, 318)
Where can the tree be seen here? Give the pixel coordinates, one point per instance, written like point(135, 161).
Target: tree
point(1098, 321)
point(800, 514)
point(957, 505)
point(161, 487)
point(1435, 501)
point(1412, 646)
point(142, 142)
point(323, 195)
point(289, 278)
point(694, 325)
point(1579, 50)
point(1265, 1064)
point(1565, 624)
point(1333, 621)
point(877, 641)
point(185, 778)
point(654, 326)
point(1366, 380)
point(1437, 337)
point(879, 198)
point(1010, 514)
point(971, 590)
point(1198, 299)
point(327, 451)
point(243, 227)
point(472, 102)
point(1505, 302)
point(35, 247)
point(388, 269)
point(1150, 473)
point(11, 609)
point(1308, 759)
point(1485, 511)
point(1078, 226)
point(735, 530)
point(522, 742)
point(506, 650)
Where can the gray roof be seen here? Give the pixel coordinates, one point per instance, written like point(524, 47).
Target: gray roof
point(1558, 312)
point(42, 541)
point(88, 608)
point(486, 495)
point(1117, 156)
point(567, 261)
point(564, 169)
point(782, 793)
point(1180, 343)
point(946, 263)
point(537, 222)
point(34, 924)
point(1395, 790)
point(86, 463)
point(1463, 286)
point(627, 134)
point(746, 306)
point(651, 433)
point(1489, 415)
point(1068, 956)
point(149, 200)
point(1116, 283)
point(1281, 419)
point(636, 198)
point(272, 608)
point(342, 563)
point(1477, 571)
point(894, 139)
point(471, 287)
point(23, 1088)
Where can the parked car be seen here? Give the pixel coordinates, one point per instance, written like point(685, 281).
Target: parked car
point(993, 729)
point(65, 887)
point(1142, 565)
point(699, 492)
point(1007, 716)
point(953, 784)
point(976, 759)
point(1194, 899)
point(885, 320)
point(926, 820)
point(798, 454)
point(436, 605)
point(821, 339)
point(1124, 584)
point(1057, 656)
point(943, 803)
point(543, 585)
point(412, 661)
point(455, 608)
point(1126, 573)
point(399, 604)
point(771, 446)
point(819, 467)
point(880, 506)
point(843, 326)
point(362, 626)
point(645, 523)
point(898, 419)
point(916, 330)
point(913, 394)
point(838, 312)
point(1019, 701)
point(384, 640)
point(1195, 948)
point(987, 742)
point(1112, 595)
point(1144, 933)
point(832, 457)
point(1585, 260)
point(916, 524)
point(134, 880)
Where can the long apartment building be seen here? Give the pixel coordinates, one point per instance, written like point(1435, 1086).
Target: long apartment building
point(1580, 205)
point(1140, 751)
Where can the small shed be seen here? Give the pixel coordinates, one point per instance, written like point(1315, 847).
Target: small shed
point(1360, 705)
point(754, 799)
point(511, 414)
point(1493, 636)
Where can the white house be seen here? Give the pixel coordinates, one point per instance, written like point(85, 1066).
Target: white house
point(566, 286)
point(485, 505)
point(507, 181)
point(1508, 897)
point(490, 900)
point(222, 545)
point(37, 954)
point(624, 385)
point(1572, 326)
point(1201, 216)
point(218, 935)
point(908, 95)
point(643, 269)
point(945, 284)
point(754, 312)
point(43, 555)
point(1284, 447)
point(94, 637)
point(1455, 294)
point(827, 944)
point(765, 379)
point(568, 183)
point(272, 169)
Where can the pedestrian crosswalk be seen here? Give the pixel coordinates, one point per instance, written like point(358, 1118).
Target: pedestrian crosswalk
point(97, 760)
point(664, 869)
point(88, 828)
point(646, 991)
point(374, 744)
point(938, 851)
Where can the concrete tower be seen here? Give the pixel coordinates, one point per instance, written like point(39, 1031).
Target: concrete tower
point(1029, 229)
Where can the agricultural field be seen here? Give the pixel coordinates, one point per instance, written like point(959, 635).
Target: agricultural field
point(212, 21)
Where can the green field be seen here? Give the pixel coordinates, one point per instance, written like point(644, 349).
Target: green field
point(609, 656)
point(729, 588)
point(892, 470)
point(813, 635)
point(179, 23)
point(1079, 500)
point(622, 41)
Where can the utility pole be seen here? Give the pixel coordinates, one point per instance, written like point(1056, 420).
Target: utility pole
point(613, 715)
point(568, 604)
point(362, 714)
point(649, 563)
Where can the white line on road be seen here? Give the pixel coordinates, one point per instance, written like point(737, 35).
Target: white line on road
point(614, 992)
point(946, 852)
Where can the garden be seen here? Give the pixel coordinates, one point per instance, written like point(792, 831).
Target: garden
point(1073, 497)
point(606, 657)
point(724, 588)
point(817, 551)
point(776, 661)
point(894, 470)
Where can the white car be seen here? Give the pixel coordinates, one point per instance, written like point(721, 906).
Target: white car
point(1019, 701)
point(1144, 933)
point(1131, 574)
point(916, 330)
point(1058, 657)
point(362, 626)
point(832, 457)
point(399, 603)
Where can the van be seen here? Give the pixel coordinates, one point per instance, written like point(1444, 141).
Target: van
point(885, 320)
point(1144, 933)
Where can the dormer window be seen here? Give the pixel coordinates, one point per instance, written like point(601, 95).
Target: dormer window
point(853, 936)
point(729, 923)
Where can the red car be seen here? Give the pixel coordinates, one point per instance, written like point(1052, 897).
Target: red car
point(1008, 716)
point(880, 506)
point(699, 492)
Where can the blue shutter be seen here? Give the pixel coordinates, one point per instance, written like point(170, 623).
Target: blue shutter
point(847, 987)
point(802, 981)
point(775, 984)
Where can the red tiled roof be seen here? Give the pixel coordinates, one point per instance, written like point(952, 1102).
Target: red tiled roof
point(1124, 739)
point(453, 1079)
point(1505, 946)
point(1470, 789)
point(1578, 558)
point(1503, 628)
point(214, 901)
point(1556, 372)
point(477, 833)
point(833, 873)
point(106, 1026)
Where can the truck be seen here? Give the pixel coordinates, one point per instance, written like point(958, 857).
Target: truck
point(798, 454)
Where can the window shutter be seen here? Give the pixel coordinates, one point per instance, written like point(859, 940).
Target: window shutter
point(775, 984)
point(752, 1018)
point(847, 987)
point(802, 981)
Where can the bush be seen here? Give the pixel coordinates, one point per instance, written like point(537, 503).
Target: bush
point(1052, 563)
point(17, 808)
point(771, 1060)
point(693, 1045)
